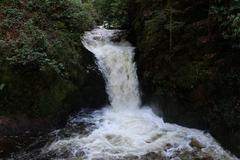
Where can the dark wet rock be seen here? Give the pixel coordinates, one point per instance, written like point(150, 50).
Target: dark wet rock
point(207, 158)
point(168, 146)
point(7, 146)
point(25, 141)
point(152, 156)
point(149, 156)
point(22, 124)
point(196, 143)
point(119, 36)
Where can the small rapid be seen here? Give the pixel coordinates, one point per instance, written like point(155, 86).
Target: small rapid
point(125, 129)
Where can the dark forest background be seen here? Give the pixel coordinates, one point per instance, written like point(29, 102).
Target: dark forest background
point(188, 58)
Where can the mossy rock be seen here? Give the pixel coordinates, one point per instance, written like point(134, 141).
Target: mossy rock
point(35, 93)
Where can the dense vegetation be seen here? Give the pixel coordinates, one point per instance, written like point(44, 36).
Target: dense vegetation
point(41, 56)
point(113, 13)
point(188, 59)
point(187, 56)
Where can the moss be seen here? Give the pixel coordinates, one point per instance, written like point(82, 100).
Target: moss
point(52, 101)
point(33, 93)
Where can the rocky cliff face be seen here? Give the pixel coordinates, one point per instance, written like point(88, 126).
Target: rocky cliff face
point(186, 67)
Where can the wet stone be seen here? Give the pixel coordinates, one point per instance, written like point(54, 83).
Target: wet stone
point(196, 143)
point(7, 147)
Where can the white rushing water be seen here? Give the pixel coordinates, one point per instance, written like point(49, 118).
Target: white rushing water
point(115, 60)
point(125, 129)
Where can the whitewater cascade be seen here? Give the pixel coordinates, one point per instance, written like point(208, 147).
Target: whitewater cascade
point(115, 60)
point(125, 129)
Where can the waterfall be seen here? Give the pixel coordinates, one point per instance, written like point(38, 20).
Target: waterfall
point(125, 129)
point(115, 60)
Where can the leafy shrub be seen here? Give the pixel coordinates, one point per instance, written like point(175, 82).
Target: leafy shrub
point(30, 31)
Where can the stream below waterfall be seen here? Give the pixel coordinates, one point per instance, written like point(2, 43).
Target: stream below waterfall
point(124, 129)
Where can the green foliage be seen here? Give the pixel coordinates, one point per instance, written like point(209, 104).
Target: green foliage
point(77, 16)
point(231, 29)
point(30, 31)
point(40, 51)
point(228, 17)
point(113, 12)
point(13, 17)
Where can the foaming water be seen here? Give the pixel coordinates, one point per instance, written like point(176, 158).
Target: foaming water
point(115, 60)
point(124, 129)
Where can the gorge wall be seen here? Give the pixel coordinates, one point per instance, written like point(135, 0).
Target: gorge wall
point(186, 67)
